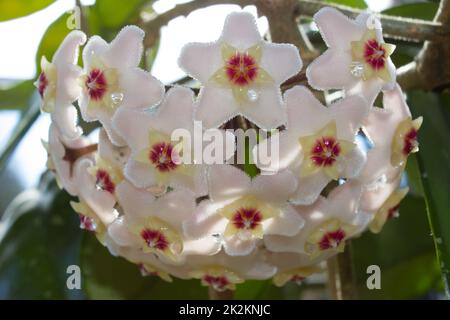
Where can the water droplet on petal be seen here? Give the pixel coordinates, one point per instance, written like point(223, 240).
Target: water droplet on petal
point(116, 97)
point(252, 95)
point(357, 69)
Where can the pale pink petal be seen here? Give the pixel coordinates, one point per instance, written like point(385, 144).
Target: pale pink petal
point(274, 188)
point(140, 88)
point(176, 110)
point(67, 52)
point(305, 113)
point(140, 174)
point(227, 182)
point(200, 60)
point(105, 117)
point(331, 71)
point(281, 61)
point(205, 221)
point(111, 153)
point(354, 163)
point(268, 111)
point(215, 106)
point(204, 246)
point(240, 30)
point(234, 246)
point(288, 153)
point(175, 207)
point(65, 117)
point(394, 101)
point(68, 89)
point(368, 89)
point(119, 233)
point(125, 51)
point(136, 203)
point(309, 188)
point(137, 134)
point(372, 199)
point(96, 46)
point(288, 223)
point(343, 201)
point(349, 113)
point(337, 29)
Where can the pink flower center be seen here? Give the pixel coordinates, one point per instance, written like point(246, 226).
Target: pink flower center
point(247, 218)
point(241, 69)
point(42, 84)
point(325, 152)
point(87, 223)
point(410, 141)
point(218, 283)
point(161, 156)
point(96, 84)
point(374, 54)
point(104, 181)
point(393, 212)
point(155, 239)
point(332, 239)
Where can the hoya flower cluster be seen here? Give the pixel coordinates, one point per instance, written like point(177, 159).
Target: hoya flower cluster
point(337, 174)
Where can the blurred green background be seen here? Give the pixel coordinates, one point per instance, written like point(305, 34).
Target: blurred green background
point(40, 235)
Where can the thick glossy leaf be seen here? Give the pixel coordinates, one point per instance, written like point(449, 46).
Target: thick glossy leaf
point(402, 250)
point(18, 96)
point(19, 8)
point(434, 159)
point(114, 14)
point(420, 10)
point(361, 4)
point(41, 241)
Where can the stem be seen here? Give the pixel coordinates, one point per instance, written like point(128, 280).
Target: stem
point(220, 295)
point(393, 27)
point(341, 275)
point(27, 120)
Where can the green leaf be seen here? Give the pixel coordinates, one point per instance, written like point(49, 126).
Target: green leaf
point(114, 14)
point(18, 96)
point(19, 8)
point(420, 10)
point(433, 159)
point(403, 250)
point(109, 277)
point(360, 4)
point(42, 240)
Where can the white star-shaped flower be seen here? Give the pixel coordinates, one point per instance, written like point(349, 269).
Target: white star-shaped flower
point(357, 59)
point(328, 224)
point(242, 211)
point(394, 136)
point(241, 74)
point(155, 159)
point(113, 80)
point(154, 225)
point(58, 85)
point(318, 145)
point(61, 158)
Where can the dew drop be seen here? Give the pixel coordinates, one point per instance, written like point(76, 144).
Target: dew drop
point(357, 69)
point(116, 97)
point(252, 95)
